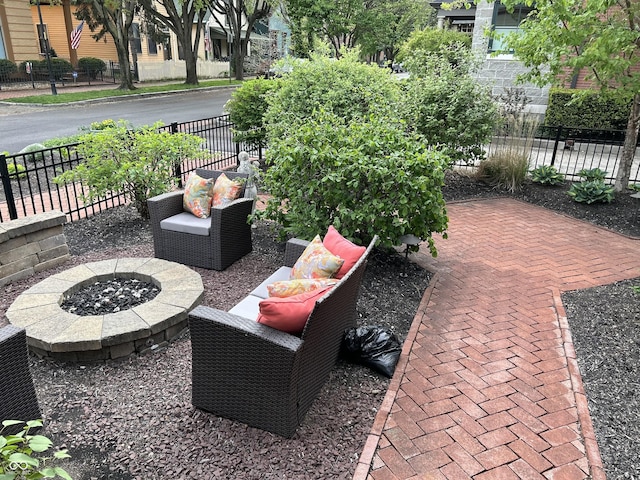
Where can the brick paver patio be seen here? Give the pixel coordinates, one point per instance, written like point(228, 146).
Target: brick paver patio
point(488, 385)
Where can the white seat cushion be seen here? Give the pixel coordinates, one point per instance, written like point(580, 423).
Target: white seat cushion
point(187, 223)
point(249, 308)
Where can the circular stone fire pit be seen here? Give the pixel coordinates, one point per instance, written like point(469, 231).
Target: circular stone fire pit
point(56, 333)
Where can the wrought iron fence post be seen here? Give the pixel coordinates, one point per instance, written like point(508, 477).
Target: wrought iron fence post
point(555, 145)
point(177, 168)
point(8, 191)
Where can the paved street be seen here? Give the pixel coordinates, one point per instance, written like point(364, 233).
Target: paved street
point(21, 125)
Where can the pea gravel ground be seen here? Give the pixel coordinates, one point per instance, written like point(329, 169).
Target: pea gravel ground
point(133, 419)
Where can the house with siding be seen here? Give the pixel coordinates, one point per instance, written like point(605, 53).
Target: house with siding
point(22, 38)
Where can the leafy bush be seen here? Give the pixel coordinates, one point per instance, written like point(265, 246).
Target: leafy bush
point(591, 191)
point(7, 67)
point(17, 460)
point(452, 111)
point(34, 152)
point(366, 176)
point(547, 175)
point(592, 174)
point(138, 163)
point(345, 87)
point(92, 66)
point(587, 109)
point(59, 67)
point(247, 107)
point(446, 43)
point(16, 170)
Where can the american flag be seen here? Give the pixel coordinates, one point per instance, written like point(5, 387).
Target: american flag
point(76, 34)
point(207, 39)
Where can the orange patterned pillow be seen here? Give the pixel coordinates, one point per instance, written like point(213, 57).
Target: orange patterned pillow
point(197, 195)
point(289, 288)
point(316, 262)
point(225, 191)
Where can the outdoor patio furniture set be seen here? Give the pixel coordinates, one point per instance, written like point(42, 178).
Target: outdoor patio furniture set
point(242, 367)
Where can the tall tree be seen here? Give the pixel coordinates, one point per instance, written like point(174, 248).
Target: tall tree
point(114, 17)
point(179, 18)
point(241, 16)
point(334, 20)
point(386, 24)
point(563, 37)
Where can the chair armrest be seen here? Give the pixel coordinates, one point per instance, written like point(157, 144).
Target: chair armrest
point(165, 205)
point(234, 214)
point(293, 250)
point(246, 332)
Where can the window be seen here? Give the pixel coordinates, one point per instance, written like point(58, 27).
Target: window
point(152, 47)
point(134, 38)
point(3, 52)
point(505, 22)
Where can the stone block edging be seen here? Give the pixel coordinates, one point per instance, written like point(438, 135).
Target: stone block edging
point(55, 333)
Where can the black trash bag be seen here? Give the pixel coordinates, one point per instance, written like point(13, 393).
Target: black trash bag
point(373, 346)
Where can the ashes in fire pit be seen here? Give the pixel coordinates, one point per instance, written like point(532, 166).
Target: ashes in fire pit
point(109, 296)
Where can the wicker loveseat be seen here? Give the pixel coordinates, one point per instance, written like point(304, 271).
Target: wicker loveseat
point(266, 378)
point(18, 399)
point(214, 243)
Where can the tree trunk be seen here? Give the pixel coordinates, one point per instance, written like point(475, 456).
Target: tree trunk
point(629, 148)
point(126, 80)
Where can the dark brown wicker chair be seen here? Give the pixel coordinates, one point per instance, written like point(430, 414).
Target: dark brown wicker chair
point(229, 236)
point(266, 378)
point(18, 399)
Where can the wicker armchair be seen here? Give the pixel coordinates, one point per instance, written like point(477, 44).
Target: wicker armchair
point(18, 399)
point(266, 378)
point(229, 233)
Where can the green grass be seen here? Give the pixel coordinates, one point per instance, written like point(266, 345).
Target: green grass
point(49, 99)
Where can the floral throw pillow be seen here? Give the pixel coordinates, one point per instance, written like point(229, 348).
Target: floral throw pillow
point(289, 288)
point(225, 191)
point(197, 195)
point(316, 262)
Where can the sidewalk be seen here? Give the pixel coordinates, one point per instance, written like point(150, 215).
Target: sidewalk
point(488, 385)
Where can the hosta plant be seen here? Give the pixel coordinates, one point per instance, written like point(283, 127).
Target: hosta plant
point(547, 175)
point(591, 191)
point(18, 454)
point(592, 174)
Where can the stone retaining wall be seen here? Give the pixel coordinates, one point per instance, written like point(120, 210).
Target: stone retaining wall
point(32, 244)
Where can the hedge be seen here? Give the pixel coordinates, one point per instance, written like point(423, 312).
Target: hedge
point(587, 109)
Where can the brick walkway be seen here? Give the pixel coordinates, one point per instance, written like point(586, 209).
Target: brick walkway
point(488, 385)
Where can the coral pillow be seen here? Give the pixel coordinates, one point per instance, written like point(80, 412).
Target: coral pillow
point(197, 196)
point(289, 314)
point(343, 248)
point(289, 288)
point(225, 191)
point(316, 262)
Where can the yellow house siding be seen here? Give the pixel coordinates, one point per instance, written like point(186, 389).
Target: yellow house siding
point(53, 18)
point(20, 41)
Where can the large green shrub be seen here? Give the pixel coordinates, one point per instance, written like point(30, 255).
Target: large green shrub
point(247, 107)
point(449, 44)
point(366, 176)
point(346, 87)
point(587, 109)
point(91, 66)
point(452, 111)
point(138, 163)
point(7, 67)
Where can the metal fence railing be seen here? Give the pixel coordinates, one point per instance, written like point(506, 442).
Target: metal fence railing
point(28, 187)
point(571, 150)
point(27, 178)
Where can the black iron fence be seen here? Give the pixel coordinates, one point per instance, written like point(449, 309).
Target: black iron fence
point(27, 178)
point(28, 187)
point(33, 75)
point(570, 150)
